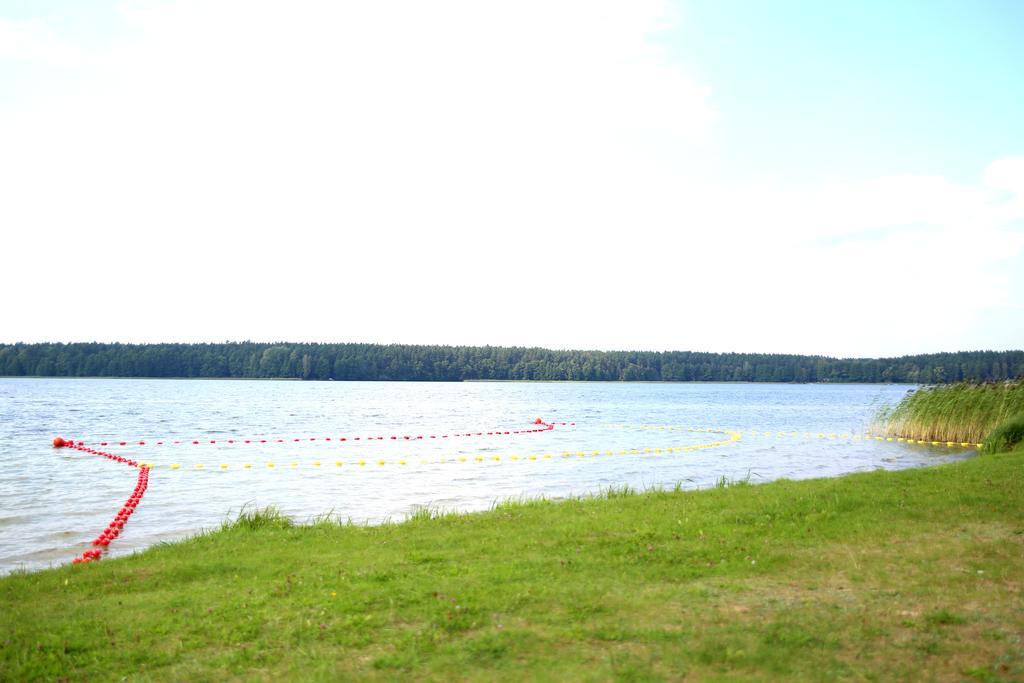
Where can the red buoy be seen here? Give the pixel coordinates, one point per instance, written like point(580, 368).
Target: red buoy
point(59, 442)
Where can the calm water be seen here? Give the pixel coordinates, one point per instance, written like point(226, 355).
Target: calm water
point(53, 502)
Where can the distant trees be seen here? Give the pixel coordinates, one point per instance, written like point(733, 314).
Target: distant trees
point(456, 363)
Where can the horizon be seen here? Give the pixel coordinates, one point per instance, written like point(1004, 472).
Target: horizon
point(528, 347)
point(805, 178)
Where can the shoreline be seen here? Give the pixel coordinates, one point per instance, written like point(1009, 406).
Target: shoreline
point(786, 578)
point(460, 381)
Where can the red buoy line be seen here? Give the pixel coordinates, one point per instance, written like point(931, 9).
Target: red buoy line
point(542, 427)
point(113, 530)
point(102, 542)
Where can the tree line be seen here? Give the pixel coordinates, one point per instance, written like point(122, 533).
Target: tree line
point(397, 362)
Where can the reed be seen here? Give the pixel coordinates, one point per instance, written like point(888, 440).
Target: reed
point(961, 412)
point(1006, 436)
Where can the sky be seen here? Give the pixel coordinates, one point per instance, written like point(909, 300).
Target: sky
point(843, 179)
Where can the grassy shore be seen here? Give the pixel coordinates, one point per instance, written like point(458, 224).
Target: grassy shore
point(877, 576)
point(953, 412)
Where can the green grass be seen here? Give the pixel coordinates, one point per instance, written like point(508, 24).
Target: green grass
point(1006, 436)
point(911, 575)
point(956, 412)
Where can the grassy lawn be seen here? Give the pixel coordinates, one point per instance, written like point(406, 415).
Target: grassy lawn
point(877, 576)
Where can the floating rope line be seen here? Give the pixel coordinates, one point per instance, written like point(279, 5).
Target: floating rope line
point(759, 433)
point(865, 437)
point(234, 441)
point(478, 459)
point(102, 542)
point(113, 530)
point(735, 436)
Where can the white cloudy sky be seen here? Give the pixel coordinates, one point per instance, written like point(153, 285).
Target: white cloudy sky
point(585, 174)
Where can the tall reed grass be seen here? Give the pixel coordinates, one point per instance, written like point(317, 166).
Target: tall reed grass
point(961, 412)
point(1006, 436)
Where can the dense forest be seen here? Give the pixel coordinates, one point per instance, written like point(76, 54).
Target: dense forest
point(457, 363)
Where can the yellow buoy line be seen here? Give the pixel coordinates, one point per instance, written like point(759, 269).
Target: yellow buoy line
point(734, 437)
point(468, 459)
point(762, 433)
point(865, 437)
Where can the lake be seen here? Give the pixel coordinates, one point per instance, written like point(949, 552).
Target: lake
point(54, 501)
